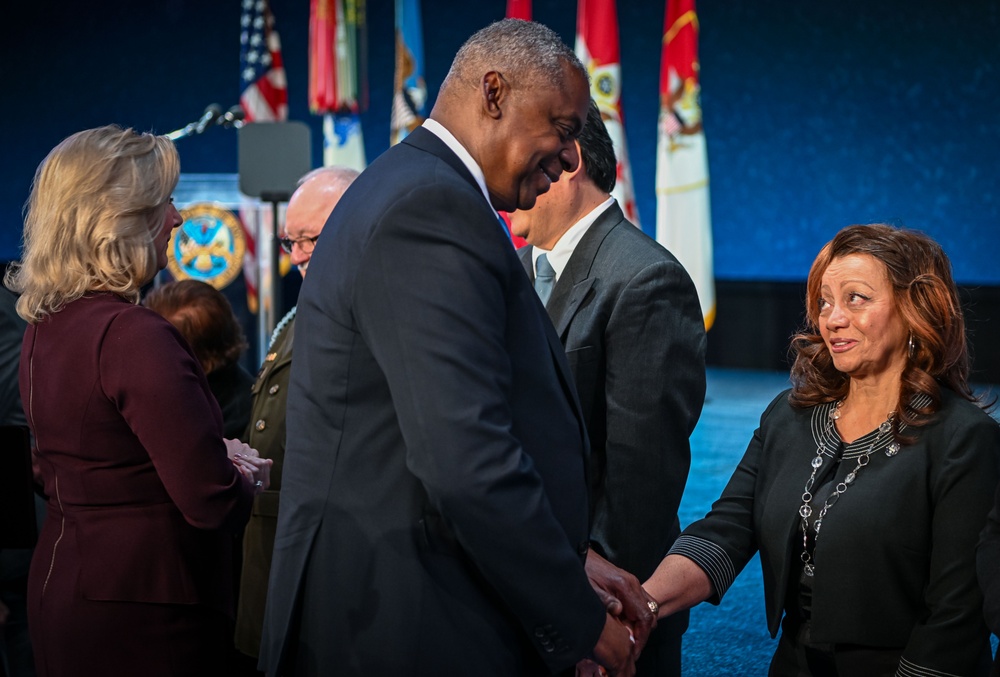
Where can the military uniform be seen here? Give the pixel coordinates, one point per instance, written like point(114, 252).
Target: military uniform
point(266, 434)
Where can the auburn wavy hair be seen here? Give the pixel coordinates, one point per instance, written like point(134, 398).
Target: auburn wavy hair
point(204, 317)
point(926, 298)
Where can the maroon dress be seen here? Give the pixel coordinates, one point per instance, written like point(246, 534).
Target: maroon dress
point(132, 571)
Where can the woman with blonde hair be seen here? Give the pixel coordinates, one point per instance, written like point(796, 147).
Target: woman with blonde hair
point(880, 442)
point(132, 571)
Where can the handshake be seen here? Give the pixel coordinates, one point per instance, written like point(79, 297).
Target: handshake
point(631, 616)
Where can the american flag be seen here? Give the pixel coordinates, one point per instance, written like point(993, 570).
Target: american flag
point(264, 98)
point(264, 94)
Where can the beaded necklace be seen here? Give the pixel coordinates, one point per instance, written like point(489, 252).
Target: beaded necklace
point(806, 510)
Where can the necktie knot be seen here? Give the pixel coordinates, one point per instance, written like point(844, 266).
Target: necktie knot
point(545, 278)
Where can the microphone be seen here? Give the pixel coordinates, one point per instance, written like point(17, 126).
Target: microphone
point(233, 117)
point(211, 115)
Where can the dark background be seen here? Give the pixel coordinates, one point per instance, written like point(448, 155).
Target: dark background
point(817, 115)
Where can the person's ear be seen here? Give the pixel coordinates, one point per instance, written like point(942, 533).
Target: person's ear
point(580, 170)
point(495, 94)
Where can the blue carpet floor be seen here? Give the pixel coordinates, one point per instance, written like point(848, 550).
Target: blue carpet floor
point(732, 638)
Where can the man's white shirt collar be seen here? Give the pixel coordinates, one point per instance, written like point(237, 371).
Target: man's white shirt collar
point(439, 130)
point(563, 249)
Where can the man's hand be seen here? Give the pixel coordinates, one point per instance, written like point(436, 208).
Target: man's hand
point(622, 596)
point(615, 651)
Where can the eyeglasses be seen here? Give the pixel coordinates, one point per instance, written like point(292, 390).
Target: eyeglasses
point(306, 244)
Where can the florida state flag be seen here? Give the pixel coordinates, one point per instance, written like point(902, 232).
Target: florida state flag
point(597, 48)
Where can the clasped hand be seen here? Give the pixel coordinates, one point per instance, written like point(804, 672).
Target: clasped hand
point(250, 464)
point(629, 620)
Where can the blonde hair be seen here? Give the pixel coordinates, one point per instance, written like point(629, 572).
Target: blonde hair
point(97, 201)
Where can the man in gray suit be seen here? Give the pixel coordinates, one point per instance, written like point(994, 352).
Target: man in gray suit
point(628, 315)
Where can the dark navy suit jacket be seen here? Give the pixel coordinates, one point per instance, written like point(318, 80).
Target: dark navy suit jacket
point(433, 515)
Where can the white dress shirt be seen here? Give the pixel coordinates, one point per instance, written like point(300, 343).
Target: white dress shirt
point(563, 249)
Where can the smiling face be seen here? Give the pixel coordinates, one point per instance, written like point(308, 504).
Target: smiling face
point(858, 318)
point(533, 140)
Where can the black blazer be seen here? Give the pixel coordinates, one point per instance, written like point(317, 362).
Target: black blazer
point(628, 315)
point(895, 560)
point(433, 513)
point(988, 567)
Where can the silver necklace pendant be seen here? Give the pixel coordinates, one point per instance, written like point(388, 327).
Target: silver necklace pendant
point(806, 510)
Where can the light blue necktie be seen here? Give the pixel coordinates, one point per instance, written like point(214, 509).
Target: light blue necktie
point(545, 277)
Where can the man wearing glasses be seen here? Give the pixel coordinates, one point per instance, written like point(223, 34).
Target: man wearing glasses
point(310, 206)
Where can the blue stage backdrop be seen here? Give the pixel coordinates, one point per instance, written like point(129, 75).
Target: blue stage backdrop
point(817, 114)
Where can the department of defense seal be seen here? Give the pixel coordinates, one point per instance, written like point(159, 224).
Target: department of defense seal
point(208, 246)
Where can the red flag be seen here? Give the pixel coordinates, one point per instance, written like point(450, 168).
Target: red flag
point(519, 9)
point(335, 26)
point(264, 94)
point(597, 48)
point(683, 209)
point(322, 56)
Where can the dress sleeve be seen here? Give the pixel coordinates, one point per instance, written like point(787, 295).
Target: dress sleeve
point(951, 637)
point(160, 390)
point(724, 541)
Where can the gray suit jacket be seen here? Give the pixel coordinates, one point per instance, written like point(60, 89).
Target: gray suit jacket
point(628, 315)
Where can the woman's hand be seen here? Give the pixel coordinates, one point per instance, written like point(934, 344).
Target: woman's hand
point(246, 459)
point(235, 447)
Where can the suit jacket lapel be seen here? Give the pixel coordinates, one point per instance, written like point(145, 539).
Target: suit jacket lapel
point(524, 253)
point(572, 286)
point(556, 348)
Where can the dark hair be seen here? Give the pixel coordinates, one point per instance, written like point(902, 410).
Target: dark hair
point(926, 298)
point(204, 317)
point(597, 151)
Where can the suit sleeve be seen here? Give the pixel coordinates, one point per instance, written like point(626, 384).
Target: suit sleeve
point(654, 391)
point(962, 484)
point(162, 394)
point(432, 302)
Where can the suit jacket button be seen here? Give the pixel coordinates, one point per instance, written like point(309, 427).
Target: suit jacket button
point(539, 633)
point(260, 425)
point(273, 390)
point(583, 548)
